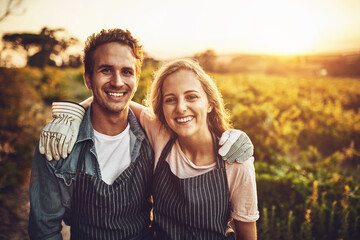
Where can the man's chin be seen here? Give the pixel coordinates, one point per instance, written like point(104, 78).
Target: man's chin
point(117, 109)
point(112, 108)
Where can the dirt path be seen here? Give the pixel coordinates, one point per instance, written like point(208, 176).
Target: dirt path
point(14, 214)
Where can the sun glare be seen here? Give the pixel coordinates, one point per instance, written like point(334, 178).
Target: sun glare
point(291, 37)
point(290, 29)
point(169, 29)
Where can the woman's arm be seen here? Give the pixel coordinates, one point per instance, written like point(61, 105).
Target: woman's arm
point(245, 230)
point(86, 103)
point(243, 198)
point(137, 109)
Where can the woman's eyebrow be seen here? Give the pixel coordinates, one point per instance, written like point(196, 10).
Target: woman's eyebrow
point(186, 92)
point(192, 90)
point(168, 94)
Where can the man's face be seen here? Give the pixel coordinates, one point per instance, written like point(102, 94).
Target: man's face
point(113, 81)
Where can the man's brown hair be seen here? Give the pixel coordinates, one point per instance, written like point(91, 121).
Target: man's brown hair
point(108, 36)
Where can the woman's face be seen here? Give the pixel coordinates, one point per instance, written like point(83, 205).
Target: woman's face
point(185, 104)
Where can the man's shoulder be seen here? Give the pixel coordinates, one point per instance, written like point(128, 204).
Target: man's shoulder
point(69, 164)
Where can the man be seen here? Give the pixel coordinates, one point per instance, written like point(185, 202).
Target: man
point(102, 189)
point(100, 194)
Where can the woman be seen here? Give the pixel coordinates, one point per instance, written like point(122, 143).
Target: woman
point(192, 186)
point(195, 192)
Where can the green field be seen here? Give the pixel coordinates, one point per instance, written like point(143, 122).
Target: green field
point(306, 133)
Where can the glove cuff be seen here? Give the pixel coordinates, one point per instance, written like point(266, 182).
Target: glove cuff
point(69, 108)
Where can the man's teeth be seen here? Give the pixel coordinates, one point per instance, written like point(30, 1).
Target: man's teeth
point(116, 94)
point(183, 120)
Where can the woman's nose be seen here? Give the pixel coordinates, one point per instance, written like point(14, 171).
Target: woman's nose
point(181, 106)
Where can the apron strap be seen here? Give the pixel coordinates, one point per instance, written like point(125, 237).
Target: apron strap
point(81, 161)
point(219, 161)
point(166, 150)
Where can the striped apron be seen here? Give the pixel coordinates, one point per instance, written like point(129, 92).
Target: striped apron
point(117, 211)
point(191, 208)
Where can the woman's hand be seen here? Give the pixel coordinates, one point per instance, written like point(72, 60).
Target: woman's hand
point(58, 137)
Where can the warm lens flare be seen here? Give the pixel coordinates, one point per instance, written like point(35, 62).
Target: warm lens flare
point(170, 29)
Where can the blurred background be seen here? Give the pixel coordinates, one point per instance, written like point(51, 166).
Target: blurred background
point(289, 72)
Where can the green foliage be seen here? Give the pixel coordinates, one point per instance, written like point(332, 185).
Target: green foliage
point(21, 116)
point(144, 83)
point(306, 133)
point(25, 98)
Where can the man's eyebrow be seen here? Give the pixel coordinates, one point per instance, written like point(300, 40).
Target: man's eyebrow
point(105, 66)
point(128, 68)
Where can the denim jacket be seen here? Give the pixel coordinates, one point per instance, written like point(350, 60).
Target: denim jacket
point(51, 183)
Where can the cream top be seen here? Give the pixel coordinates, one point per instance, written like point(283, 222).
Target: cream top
point(241, 176)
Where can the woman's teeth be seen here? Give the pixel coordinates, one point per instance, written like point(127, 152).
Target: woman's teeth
point(185, 119)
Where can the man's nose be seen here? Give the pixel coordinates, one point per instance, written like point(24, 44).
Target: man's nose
point(117, 80)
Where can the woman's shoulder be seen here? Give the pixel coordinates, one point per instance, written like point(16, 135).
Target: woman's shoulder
point(157, 133)
point(242, 170)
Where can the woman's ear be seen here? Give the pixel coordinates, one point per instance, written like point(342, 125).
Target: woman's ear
point(210, 108)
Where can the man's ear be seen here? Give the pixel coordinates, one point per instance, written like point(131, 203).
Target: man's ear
point(87, 80)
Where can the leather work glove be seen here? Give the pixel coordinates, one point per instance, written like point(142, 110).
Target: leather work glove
point(59, 136)
point(236, 146)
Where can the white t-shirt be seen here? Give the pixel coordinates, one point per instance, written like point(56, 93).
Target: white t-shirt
point(241, 176)
point(113, 154)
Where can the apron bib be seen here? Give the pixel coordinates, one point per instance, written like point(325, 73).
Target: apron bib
point(191, 208)
point(117, 211)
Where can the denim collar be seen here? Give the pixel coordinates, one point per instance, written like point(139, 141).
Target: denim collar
point(86, 131)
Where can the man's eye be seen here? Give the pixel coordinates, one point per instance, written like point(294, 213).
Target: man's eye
point(128, 72)
point(105, 70)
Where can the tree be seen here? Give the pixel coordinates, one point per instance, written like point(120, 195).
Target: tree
point(7, 8)
point(46, 45)
point(207, 60)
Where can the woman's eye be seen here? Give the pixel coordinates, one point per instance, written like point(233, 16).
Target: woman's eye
point(191, 97)
point(169, 100)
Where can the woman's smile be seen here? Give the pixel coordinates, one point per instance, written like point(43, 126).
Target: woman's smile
point(184, 119)
point(185, 104)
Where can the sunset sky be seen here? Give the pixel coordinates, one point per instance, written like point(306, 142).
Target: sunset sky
point(179, 28)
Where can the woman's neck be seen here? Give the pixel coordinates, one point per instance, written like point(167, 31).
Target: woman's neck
point(199, 149)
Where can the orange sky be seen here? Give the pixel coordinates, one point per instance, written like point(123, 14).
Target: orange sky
point(170, 29)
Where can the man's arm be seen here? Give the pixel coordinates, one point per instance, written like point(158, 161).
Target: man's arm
point(46, 209)
point(235, 146)
point(59, 136)
point(245, 230)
